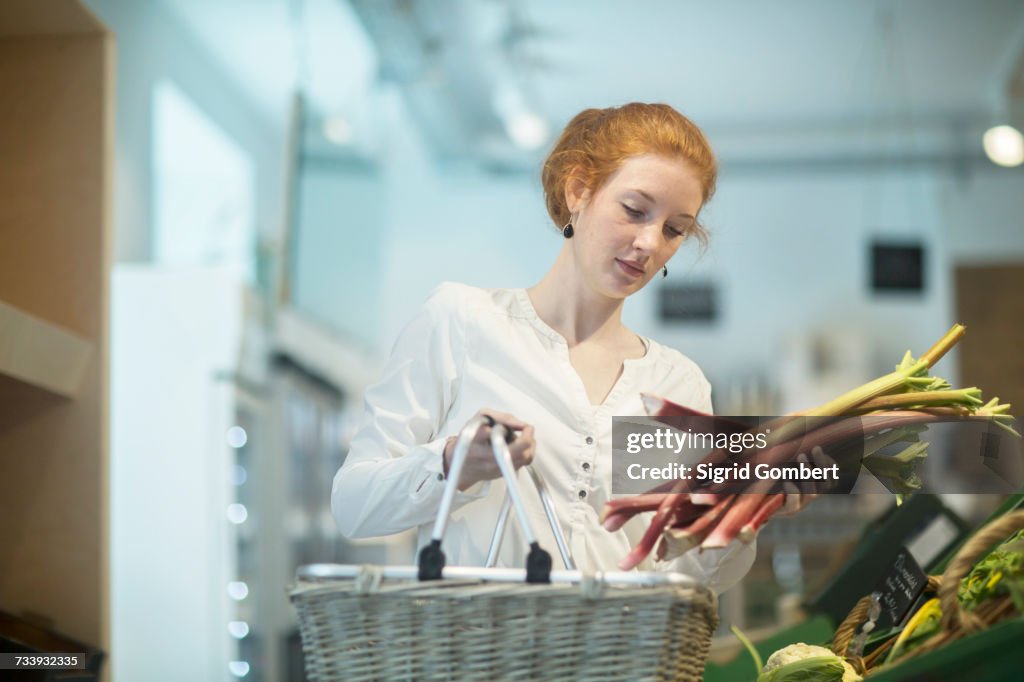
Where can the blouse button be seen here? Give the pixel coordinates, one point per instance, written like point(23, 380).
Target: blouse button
point(590, 440)
point(586, 466)
point(583, 494)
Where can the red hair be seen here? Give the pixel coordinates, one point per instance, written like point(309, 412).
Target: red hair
point(596, 142)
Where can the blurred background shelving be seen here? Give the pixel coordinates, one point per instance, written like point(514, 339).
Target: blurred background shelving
point(41, 354)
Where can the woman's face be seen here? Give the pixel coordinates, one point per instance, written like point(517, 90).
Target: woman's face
point(632, 225)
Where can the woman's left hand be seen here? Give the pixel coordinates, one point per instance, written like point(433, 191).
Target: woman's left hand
point(798, 496)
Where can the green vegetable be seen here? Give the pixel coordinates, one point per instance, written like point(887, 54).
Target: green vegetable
point(1001, 572)
point(814, 669)
point(898, 468)
point(966, 397)
point(922, 625)
point(751, 649)
point(807, 663)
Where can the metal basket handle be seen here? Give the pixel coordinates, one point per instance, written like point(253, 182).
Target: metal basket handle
point(431, 558)
point(549, 511)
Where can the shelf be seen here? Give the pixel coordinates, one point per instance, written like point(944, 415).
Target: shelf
point(41, 354)
point(57, 137)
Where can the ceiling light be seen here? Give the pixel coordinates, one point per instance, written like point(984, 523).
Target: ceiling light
point(338, 130)
point(528, 130)
point(1004, 145)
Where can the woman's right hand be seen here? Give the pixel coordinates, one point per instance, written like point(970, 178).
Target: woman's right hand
point(480, 464)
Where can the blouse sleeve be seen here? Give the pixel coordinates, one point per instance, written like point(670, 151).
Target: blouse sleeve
point(392, 478)
point(721, 568)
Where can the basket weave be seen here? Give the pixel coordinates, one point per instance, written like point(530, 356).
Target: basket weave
point(957, 622)
point(455, 629)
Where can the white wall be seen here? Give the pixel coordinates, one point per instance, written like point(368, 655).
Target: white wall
point(983, 217)
point(790, 255)
point(152, 45)
point(453, 223)
point(338, 247)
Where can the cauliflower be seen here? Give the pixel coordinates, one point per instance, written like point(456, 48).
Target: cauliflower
point(795, 652)
point(807, 663)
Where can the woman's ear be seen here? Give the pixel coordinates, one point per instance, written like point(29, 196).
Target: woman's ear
point(576, 191)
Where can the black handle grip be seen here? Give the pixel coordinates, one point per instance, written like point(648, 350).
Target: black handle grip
point(431, 561)
point(538, 565)
point(510, 435)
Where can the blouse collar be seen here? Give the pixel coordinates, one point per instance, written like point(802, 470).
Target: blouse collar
point(530, 313)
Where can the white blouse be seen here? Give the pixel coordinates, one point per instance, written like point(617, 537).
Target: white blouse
point(470, 348)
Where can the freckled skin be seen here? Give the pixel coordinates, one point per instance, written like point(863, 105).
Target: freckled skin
point(607, 230)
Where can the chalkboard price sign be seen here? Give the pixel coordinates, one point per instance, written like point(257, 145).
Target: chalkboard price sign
point(900, 587)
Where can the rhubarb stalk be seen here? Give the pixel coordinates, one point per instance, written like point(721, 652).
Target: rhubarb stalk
point(737, 516)
point(768, 507)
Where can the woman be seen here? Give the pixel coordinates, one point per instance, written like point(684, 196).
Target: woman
point(624, 186)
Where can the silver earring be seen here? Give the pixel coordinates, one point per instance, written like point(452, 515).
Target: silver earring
point(664, 271)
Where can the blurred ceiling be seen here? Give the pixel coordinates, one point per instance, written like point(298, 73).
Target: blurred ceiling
point(766, 79)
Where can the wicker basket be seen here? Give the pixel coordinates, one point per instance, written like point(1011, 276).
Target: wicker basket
point(957, 622)
point(431, 622)
point(369, 623)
